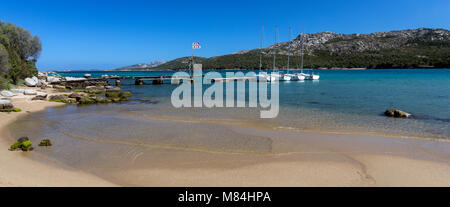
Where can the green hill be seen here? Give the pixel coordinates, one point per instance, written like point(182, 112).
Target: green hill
point(419, 48)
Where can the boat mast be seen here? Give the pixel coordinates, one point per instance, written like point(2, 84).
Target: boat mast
point(301, 51)
point(260, 48)
point(275, 47)
point(289, 48)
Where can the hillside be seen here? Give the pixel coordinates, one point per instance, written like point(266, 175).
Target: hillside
point(414, 48)
point(143, 65)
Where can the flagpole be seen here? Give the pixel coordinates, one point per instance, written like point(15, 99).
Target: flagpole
point(192, 60)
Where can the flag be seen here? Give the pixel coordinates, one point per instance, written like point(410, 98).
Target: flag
point(196, 45)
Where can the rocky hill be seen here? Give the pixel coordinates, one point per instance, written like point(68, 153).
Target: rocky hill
point(413, 48)
point(143, 65)
point(349, 43)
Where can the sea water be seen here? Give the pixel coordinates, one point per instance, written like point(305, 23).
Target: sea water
point(148, 131)
point(342, 100)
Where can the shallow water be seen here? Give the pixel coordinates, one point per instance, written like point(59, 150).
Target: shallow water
point(342, 100)
point(148, 132)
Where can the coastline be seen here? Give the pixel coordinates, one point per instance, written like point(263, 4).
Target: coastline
point(19, 170)
point(295, 159)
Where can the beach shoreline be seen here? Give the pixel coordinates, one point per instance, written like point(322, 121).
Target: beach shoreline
point(19, 170)
point(295, 159)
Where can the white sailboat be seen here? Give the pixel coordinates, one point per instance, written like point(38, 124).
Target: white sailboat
point(287, 76)
point(311, 76)
point(301, 76)
point(272, 76)
point(262, 75)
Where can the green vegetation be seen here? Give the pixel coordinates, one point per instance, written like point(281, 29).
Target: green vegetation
point(87, 100)
point(11, 110)
point(95, 91)
point(112, 94)
point(419, 54)
point(118, 96)
point(45, 143)
point(19, 51)
point(24, 145)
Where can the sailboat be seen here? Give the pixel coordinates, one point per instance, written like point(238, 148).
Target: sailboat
point(262, 75)
point(300, 76)
point(274, 77)
point(287, 76)
point(311, 76)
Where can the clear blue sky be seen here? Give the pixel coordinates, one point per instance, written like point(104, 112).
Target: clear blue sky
point(95, 34)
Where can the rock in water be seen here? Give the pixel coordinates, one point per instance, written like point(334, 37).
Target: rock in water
point(23, 139)
point(6, 93)
point(77, 96)
point(45, 143)
point(397, 113)
point(23, 144)
point(31, 82)
point(59, 98)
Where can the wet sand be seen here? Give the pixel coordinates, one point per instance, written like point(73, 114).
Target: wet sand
point(17, 169)
point(300, 159)
point(284, 158)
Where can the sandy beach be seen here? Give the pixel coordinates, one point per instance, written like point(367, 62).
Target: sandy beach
point(19, 170)
point(294, 159)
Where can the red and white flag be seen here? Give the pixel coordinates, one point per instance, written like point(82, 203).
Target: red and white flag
point(196, 45)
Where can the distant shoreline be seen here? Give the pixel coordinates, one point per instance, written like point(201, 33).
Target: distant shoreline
point(156, 70)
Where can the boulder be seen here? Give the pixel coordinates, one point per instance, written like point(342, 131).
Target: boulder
point(23, 144)
point(6, 93)
point(396, 113)
point(41, 83)
point(40, 96)
point(59, 87)
point(112, 94)
point(52, 79)
point(17, 91)
point(77, 96)
point(31, 82)
point(71, 101)
point(5, 105)
point(23, 139)
point(114, 90)
point(59, 98)
point(29, 92)
point(45, 143)
point(91, 87)
point(5, 101)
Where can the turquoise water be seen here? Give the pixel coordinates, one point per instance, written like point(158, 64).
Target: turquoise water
point(147, 132)
point(342, 100)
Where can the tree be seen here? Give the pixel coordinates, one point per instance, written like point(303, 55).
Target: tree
point(19, 52)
